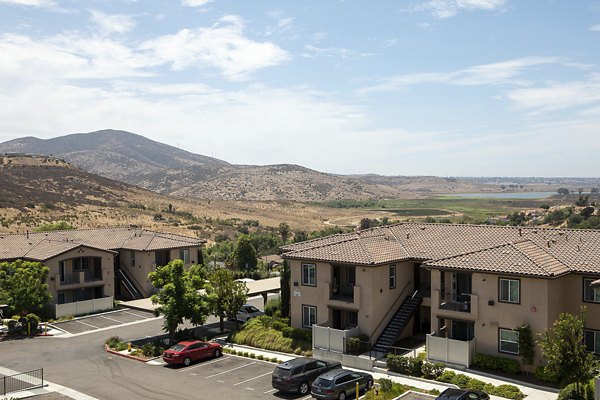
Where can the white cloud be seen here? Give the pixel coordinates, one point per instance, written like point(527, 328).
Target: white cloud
point(282, 25)
point(30, 3)
point(595, 28)
point(557, 96)
point(195, 3)
point(115, 23)
point(449, 8)
point(504, 72)
point(221, 46)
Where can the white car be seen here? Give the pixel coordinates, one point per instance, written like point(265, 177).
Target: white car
point(248, 311)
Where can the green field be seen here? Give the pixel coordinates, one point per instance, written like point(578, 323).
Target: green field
point(472, 210)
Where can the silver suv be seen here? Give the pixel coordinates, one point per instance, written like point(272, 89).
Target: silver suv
point(340, 384)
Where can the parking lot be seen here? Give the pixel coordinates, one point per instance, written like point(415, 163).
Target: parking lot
point(102, 321)
point(242, 377)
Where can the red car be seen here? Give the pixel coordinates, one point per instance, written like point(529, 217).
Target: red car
point(193, 350)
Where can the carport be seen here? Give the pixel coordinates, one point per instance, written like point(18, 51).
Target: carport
point(263, 287)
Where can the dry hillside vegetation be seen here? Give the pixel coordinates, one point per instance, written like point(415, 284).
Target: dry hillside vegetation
point(165, 169)
point(38, 190)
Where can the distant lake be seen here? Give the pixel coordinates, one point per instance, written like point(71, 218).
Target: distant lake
point(517, 195)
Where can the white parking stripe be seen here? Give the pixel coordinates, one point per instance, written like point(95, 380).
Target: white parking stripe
point(251, 379)
point(233, 369)
point(269, 391)
point(117, 321)
point(306, 398)
point(137, 315)
point(203, 364)
point(85, 323)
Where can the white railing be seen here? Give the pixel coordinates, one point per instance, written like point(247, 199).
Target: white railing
point(326, 338)
point(450, 350)
point(84, 307)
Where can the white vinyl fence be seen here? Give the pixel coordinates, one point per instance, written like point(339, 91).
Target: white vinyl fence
point(84, 307)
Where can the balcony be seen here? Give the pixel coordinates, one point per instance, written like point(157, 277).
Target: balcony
point(79, 279)
point(342, 299)
point(468, 309)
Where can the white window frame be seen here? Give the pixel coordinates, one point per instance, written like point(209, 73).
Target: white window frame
point(595, 291)
point(392, 276)
point(500, 341)
point(307, 278)
point(184, 255)
point(509, 282)
point(311, 312)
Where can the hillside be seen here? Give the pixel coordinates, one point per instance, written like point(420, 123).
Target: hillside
point(136, 160)
point(36, 189)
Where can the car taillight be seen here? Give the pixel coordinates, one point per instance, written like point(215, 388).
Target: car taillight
point(328, 391)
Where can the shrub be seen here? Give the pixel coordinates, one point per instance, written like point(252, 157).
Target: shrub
point(476, 384)
point(542, 374)
point(494, 363)
point(385, 384)
point(431, 370)
point(148, 349)
point(446, 376)
point(273, 306)
point(280, 326)
point(184, 334)
point(398, 364)
point(252, 355)
point(287, 331)
point(33, 321)
point(509, 392)
point(462, 381)
point(113, 341)
point(415, 365)
point(245, 354)
point(357, 344)
point(275, 360)
point(260, 357)
point(570, 392)
point(121, 346)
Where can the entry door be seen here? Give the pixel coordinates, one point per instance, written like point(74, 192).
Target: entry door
point(463, 330)
point(337, 319)
point(461, 285)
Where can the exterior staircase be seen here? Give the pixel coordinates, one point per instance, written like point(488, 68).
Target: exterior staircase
point(133, 292)
point(398, 323)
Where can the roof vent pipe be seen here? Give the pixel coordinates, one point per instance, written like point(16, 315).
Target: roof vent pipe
point(520, 232)
point(548, 243)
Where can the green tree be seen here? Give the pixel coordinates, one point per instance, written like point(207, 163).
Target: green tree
point(57, 226)
point(178, 295)
point(582, 201)
point(526, 344)
point(365, 223)
point(285, 289)
point(225, 295)
point(284, 231)
point(563, 347)
point(23, 286)
point(563, 191)
point(244, 255)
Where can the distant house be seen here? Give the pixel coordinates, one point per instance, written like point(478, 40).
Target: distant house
point(90, 267)
point(466, 287)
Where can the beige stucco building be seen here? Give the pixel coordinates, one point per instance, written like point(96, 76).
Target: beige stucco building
point(89, 268)
point(467, 287)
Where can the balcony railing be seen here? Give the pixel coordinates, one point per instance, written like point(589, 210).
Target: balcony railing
point(450, 350)
point(467, 309)
point(343, 299)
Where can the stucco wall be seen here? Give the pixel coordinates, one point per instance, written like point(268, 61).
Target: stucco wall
point(54, 274)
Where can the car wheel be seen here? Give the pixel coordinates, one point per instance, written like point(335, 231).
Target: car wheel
point(342, 396)
point(303, 388)
point(217, 353)
point(187, 361)
point(369, 384)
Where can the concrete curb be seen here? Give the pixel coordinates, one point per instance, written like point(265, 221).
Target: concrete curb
point(385, 371)
point(111, 351)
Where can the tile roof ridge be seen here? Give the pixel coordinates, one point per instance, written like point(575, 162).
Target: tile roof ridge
point(367, 252)
point(551, 273)
point(316, 239)
point(164, 235)
point(352, 236)
point(505, 244)
point(398, 240)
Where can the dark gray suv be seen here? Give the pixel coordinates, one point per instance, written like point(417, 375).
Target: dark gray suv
point(340, 384)
point(298, 374)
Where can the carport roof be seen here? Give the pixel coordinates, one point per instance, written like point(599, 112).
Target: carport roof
point(44, 245)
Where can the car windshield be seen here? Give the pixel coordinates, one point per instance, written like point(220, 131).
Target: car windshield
point(251, 309)
point(323, 382)
point(177, 347)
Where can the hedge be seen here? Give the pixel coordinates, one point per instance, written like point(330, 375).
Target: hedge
point(494, 363)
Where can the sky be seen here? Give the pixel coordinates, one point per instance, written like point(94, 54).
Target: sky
point(411, 87)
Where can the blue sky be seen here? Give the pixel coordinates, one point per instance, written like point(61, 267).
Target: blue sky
point(423, 87)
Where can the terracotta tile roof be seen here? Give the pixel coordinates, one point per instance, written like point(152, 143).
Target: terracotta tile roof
point(555, 249)
point(49, 244)
point(522, 258)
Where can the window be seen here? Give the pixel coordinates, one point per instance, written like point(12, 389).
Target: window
point(309, 316)
point(184, 254)
point(392, 276)
point(509, 341)
point(81, 264)
point(590, 294)
point(309, 274)
point(592, 341)
point(352, 318)
point(351, 276)
point(312, 366)
point(509, 290)
point(132, 258)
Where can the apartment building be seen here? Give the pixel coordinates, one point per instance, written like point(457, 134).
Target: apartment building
point(90, 267)
point(467, 287)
